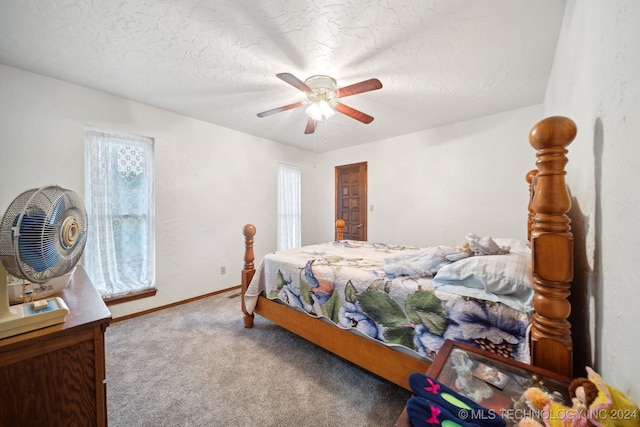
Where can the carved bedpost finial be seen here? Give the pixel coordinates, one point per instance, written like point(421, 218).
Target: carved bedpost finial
point(249, 231)
point(555, 131)
point(340, 229)
point(552, 247)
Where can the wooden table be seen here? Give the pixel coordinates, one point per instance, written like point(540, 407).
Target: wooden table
point(441, 369)
point(55, 376)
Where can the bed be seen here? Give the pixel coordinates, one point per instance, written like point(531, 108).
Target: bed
point(310, 297)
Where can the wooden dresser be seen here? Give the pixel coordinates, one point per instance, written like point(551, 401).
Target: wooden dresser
point(56, 376)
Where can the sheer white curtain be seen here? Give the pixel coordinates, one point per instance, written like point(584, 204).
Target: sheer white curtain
point(119, 194)
point(289, 207)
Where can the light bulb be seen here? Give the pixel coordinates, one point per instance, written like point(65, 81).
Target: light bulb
point(320, 110)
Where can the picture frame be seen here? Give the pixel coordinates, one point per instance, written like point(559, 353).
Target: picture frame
point(494, 381)
point(491, 375)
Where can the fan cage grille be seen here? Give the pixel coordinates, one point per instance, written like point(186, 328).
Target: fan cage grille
point(34, 245)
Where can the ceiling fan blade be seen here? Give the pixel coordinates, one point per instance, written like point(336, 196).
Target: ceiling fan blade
point(311, 126)
point(295, 82)
point(353, 113)
point(280, 109)
point(365, 86)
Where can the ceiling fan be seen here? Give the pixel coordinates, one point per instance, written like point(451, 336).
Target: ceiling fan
point(322, 96)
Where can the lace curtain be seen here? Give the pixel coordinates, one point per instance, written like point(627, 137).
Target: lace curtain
point(289, 211)
point(119, 194)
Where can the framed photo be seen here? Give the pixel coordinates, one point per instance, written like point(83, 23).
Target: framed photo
point(493, 381)
point(491, 375)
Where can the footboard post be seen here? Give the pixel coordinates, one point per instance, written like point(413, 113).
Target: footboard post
point(552, 247)
point(249, 269)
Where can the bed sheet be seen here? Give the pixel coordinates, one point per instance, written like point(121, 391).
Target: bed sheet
point(346, 282)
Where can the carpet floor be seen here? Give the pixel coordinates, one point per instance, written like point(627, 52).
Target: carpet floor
point(196, 365)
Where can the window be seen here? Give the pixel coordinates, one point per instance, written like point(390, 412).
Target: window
point(119, 193)
point(289, 216)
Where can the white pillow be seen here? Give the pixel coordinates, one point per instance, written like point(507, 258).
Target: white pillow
point(504, 278)
point(516, 245)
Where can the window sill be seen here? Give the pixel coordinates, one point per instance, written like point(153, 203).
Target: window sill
point(130, 297)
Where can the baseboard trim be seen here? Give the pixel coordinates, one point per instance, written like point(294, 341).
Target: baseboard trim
point(173, 304)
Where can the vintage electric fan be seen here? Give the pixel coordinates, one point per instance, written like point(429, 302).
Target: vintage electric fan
point(42, 236)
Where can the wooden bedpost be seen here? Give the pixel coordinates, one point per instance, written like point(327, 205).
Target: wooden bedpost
point(249, 268)
point(340, 229)
point(552, 247)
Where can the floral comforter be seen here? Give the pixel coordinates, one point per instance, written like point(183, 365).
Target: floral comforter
point(347, 283)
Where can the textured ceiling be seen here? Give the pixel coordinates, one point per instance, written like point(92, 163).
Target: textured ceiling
point(440, 62)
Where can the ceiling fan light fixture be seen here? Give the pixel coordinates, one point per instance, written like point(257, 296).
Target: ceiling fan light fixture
point(320, 110)
point(322, 98)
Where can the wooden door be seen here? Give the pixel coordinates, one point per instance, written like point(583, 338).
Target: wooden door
point(351, 199)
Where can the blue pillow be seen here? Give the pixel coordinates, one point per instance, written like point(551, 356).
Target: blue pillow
point(500, 278)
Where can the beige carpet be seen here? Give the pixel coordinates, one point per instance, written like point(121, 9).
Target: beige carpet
point(196, 365)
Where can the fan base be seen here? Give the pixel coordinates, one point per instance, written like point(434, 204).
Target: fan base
point(22, 318)
point(40, 290)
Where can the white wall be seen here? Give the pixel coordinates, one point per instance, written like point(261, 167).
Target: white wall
point(210, 181)
point(596, 81)
point(433, 187)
